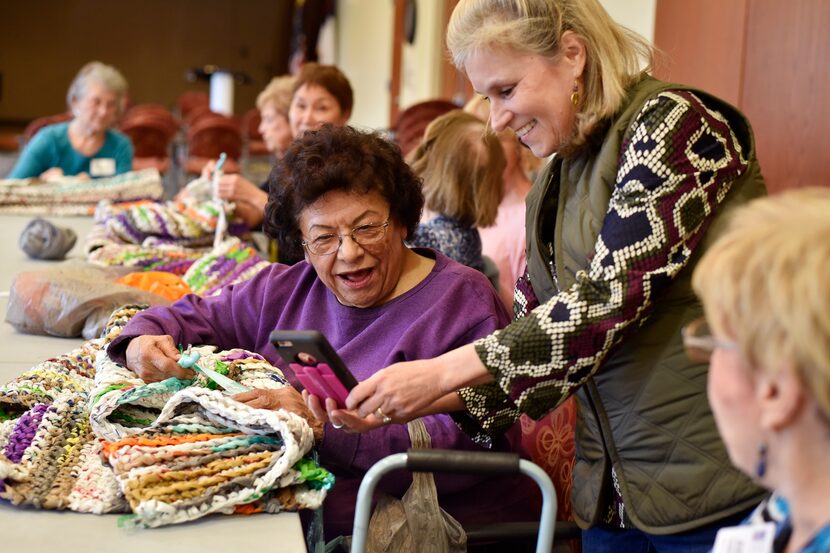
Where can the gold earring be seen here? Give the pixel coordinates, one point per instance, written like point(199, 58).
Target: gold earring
point(575, 95)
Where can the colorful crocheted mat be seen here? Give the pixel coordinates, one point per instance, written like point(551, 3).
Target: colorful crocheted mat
point(171, 237)
point(231, 262)
point(73, 196)
point(83, 433)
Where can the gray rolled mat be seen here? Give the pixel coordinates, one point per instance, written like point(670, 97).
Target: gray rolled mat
point(43, 240)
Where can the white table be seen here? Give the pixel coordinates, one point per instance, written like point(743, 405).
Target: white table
point(35, 530)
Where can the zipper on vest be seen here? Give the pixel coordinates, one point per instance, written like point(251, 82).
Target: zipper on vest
point(552, 267)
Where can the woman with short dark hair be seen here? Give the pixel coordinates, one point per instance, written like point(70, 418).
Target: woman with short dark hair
point(321, 94)
point(348, 201)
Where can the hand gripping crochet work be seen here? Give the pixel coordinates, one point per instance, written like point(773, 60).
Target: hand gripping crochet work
point(83, 433)
point(74, 196)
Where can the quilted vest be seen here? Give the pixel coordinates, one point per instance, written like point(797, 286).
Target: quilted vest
point(645, 410)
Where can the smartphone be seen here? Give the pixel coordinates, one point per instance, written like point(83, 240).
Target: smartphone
point(315, 363)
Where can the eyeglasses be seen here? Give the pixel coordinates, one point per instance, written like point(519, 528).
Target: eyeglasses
point(699, 342)
point(364, 235)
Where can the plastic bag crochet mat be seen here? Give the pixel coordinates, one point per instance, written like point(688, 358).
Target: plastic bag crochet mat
point(174, 237)
point(84, 433)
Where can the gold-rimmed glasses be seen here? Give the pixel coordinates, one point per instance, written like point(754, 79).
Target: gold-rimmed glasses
point(363, 235)
point(699, 342)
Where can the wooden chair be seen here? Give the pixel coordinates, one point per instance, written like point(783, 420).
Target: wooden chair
point(158, 112)
point(151, 129)
point(37, 124)
point(412, 122)
point(253, 139)
point(210, 136)
point(190, 99)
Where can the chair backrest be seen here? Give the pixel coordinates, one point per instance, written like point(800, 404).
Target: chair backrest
point(193, 116)
point(412, 122)
point(158, 114)
point(211, 135)
point(150, 137)
point(250, 124)
point(189, 99)
point(550, 443)
point(37, 124)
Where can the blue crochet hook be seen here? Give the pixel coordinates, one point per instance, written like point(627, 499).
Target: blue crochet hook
point(222, 222)
point(189, 360)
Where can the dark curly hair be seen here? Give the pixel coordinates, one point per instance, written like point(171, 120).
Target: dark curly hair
point(338, 158)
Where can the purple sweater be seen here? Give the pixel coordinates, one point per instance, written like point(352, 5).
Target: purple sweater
point(452, 306)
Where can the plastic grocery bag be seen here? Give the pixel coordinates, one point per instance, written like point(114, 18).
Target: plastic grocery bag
point(71, 299)
point(415, 524)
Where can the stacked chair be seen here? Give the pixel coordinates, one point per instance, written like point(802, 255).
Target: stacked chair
point(151, 128)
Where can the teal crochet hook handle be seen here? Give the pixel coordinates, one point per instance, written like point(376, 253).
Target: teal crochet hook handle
point(221, 161)
point(189, 361)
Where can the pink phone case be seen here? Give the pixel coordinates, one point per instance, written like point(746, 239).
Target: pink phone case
point(321, 381)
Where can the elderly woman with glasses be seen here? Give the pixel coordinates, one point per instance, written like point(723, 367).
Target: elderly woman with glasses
point(765, 292)
point(348, 201)
point(86, 146)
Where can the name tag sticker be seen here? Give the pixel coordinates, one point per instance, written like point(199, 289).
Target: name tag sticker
point(752, 538)
point(102, 167)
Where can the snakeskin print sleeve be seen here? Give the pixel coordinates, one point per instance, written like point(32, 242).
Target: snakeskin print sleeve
point(677, 162)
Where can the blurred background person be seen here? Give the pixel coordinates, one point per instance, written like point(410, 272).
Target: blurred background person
point(87, 145)
point(764, 286)
point(461, 164)
point(320, 94)
point(504, 240)
point(250, 199)
point(273, 104)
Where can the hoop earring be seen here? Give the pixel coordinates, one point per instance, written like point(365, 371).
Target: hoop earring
point(761, 465)
point(575, 94)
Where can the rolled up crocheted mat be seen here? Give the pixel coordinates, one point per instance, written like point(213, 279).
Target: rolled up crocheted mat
point(189, 224)
point(175, 237)
point(90, 436)
point(74, 196)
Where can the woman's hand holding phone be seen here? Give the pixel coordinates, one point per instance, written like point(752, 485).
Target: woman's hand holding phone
point(315, 363)
point(327, 410)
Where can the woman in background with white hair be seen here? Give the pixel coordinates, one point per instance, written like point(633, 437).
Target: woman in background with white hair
point(765, 292)
point(87, 145)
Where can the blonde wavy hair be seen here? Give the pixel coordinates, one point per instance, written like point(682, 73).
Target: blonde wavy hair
point(278, 93)
point(765, 284)
point(461, 164)
point(614, 54)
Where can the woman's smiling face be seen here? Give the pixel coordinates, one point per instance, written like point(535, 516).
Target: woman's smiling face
point(312, 106)
point(359, 276)
point(530, 93)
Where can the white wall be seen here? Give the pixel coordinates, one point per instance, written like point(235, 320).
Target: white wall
point(364, 54)
point(421, 71)
point(637, 15)
point(364, 38)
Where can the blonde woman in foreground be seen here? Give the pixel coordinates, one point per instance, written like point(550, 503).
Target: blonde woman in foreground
point(765, 287)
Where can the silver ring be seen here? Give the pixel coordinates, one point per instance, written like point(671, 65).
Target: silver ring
point(385, 418)
point(337, 426)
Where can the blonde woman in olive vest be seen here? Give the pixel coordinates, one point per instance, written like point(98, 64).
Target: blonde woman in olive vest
point(642, 174)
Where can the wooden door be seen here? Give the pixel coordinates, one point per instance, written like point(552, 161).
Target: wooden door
point(769, 59)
